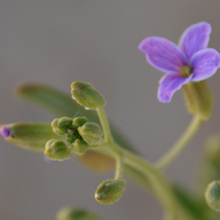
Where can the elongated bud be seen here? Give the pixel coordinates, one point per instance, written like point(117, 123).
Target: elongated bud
point(86, 95)
point(91, 133)
point(69, 213)
point(199, 98)
point(79, 146)
point(110, 191)
point(212, 195)
point(57, 150)
point(30, 136)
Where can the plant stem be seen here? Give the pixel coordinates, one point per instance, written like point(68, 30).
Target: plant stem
point(105, 125)
point(119, 166)
point(176, 149)
point(158, 183)
point(160, 187)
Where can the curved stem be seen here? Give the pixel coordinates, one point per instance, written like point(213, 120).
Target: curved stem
point(175, 150)
point(158, 183)
point(109, 140)
point(105, 125)
point(119, 166)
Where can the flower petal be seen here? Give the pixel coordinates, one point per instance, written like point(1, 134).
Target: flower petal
point(195, 38)
point(163, 54)
point(169, 84)
point(205, 63)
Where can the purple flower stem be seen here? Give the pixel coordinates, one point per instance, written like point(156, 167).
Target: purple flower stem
point(177, 148)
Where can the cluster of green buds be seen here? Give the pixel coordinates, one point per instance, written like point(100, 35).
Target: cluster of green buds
point(79, 135)
point(67, 135)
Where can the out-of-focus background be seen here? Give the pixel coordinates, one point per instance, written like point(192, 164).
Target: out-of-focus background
point(57, 42)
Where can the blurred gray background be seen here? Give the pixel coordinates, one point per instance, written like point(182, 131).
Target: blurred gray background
point(58, 42)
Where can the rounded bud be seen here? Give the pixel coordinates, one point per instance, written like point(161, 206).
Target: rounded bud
point(86, 95)
point(61, 125)
point(69, 213)
point(57, 150)
point(79, 146)
point(91, 133)
point(212, 195)
point(80, 120)
point(110, 191)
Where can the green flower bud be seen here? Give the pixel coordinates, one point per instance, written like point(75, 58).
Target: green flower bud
point(80, 120)
point(69, 213)
point(199, 98)
point(212, 195)
point(79, 146)
point(110, 191)
point(57, 150)
point(86, 95)
point(70, 138)
point(91, 133)
point(30, 136)
point(61, 125)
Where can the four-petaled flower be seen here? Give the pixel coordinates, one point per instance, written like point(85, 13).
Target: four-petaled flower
point(191, 61)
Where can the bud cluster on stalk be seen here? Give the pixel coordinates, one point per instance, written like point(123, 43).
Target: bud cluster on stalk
point(79, 135)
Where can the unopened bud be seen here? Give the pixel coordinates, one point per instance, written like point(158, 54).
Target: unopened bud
point(110, 191)
point(30, 136)
point(79, 146)
point(57, 150)
point(69, 213)
point(91, 133)
point(86, 95)
point(212, 195)
point(80, 120)
point(61, 125)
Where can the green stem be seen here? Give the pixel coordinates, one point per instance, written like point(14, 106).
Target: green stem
point(110, 142)
point(119, 166)
point(158, 183)
point(105, 125)
point(176, 149)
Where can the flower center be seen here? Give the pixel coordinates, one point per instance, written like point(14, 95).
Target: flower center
point(186, 71)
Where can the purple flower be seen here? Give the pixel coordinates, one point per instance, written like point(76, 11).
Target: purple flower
point(191, 61)
point(5, 131)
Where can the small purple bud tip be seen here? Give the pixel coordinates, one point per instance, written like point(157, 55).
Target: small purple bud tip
point(5, 132)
